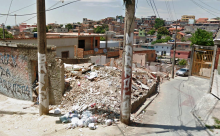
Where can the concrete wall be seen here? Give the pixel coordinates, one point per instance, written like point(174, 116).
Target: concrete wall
point(59, 51)
point(139, 58)
point(18, 65)
point(64, 43)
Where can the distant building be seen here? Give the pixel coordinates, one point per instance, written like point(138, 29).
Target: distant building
point(23, 26)
point(61, 30)
point(213, 21)
point(201, 20)
point(187, 17)
point(163, 48)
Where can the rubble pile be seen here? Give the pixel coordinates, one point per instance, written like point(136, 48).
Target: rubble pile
point(96, 90)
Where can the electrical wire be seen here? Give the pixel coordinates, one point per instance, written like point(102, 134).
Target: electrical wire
point(45, 10)
point(174, 10)
point(152, 7)
point(168, 10)
point(20, 9)
point(8, 11)
point(168, 3)
point(203, 7)
point(156, 8)
point(49, 9)
point(209, 5)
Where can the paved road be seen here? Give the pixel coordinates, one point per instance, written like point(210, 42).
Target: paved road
point(170, 113)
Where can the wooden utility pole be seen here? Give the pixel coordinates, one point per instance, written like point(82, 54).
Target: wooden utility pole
point(42, 50)
point(127, 61)
point(174, 53)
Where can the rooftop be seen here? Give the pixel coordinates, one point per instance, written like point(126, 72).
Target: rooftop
point(162, 44)
point(76, 34)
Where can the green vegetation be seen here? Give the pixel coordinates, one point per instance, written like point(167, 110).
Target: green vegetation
point(202, 37)
point(69, 26)
point(167, 38)
point(49, 27)
point(159, 36)
point(8, 27)
point(101, 29)
point(183, 40)
point(216, 120)
point(159, 23)
point(7, 35)
point(182, 62)
point(102, 39)
point(151, 32)
point(163, 31)
point(35, 29)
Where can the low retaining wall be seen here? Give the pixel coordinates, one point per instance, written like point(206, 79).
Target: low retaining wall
point(136, 104)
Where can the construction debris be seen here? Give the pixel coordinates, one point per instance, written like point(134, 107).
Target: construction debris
point(94, 94)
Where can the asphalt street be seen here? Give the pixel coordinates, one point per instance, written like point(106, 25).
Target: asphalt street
point(170, 113)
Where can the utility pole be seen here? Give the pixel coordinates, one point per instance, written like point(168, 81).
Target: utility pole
point(127, 61)
point(15, 20)
point(42, 50)
point(174, 53)
point(3, 31)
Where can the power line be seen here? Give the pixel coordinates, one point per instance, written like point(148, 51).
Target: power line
point(174, 9)
point(156, 8)
point(152, 7)
point(168, 3)
point(168, 11)
point(21, 9)
point(202, 7)
point(208, 5)
point(46, 10)
point(8, 11)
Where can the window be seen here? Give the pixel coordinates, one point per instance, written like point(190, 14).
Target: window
point(187, 46)
point(65, 54)
point(152, 55)
point(156, 46)
point(167, 47)
point(162, 46)
point(179, 45)
point(157, 51)
point(81, 44)
point(178, 53)
point(140, 33)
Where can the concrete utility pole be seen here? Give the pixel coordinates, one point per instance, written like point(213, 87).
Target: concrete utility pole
point(42, 50)
point(127, 61)
point(3, 30)
point(174, 53)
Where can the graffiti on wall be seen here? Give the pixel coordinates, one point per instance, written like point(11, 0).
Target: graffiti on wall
point(13, 78)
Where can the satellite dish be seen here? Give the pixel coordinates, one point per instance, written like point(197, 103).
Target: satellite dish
point(105, 51)
point(96, 49)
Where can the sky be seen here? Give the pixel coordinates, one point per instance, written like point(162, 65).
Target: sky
point(99, 9)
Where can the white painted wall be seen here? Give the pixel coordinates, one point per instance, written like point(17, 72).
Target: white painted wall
point(160, 48)
point(62, 44)
point(109, 44)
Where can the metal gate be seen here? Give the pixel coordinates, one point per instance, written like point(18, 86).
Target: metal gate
point(202, 63)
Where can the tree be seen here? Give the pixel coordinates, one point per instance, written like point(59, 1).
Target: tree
point(69, 26)
point(35, 30)
point(101, 29)
point(61, 25)
point(202, 37)
point(159, 23)
point(102, 39)
point(159, 36)
point(182, 62)
point(7, 35)
point(183, 40)
point(8, 27)
point(151, 32)
point(49, 27)
point(78, 23)
point(163, 31)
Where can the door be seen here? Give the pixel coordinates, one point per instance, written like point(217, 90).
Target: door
point(82, 44)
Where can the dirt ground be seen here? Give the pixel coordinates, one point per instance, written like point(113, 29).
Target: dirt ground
point(21, 118)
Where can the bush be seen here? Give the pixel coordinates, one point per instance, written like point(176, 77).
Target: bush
point(182, 62)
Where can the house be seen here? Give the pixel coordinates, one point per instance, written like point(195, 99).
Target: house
point(213, 21)
point(183, 50)
point(163, 48)
point(61, 30)
point(202, 20)
point(187, 17)
point(173, 30)
point(23, 26)
point(70, 45)
point(180, 35)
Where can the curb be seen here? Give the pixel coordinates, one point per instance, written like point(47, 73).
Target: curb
point(203, 124)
